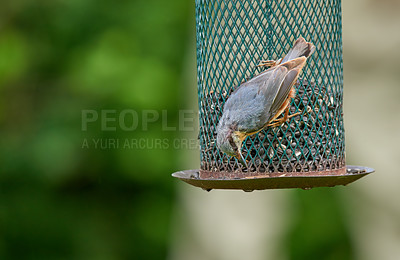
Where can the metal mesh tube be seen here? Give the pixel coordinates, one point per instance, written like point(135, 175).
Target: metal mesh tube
point(232, 38)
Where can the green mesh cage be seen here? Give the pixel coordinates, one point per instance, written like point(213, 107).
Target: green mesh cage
point(232, 38)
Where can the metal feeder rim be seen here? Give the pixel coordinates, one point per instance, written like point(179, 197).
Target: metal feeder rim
point(285, 180)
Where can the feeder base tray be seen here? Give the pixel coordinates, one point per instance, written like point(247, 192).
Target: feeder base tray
point(283, 181)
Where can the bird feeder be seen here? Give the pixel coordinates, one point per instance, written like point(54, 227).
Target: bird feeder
point(307, 151)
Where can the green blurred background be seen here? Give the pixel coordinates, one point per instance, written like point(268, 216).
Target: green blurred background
point(57, 58)
point(60, 199)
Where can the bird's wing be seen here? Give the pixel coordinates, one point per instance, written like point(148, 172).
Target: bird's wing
point(270, 86)
point(266, 86)
point(248, 106)
point(294, 68)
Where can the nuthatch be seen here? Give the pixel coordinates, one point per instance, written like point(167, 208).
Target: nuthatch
point(257, 103)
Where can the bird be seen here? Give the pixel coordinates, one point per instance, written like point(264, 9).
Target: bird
point(257, 103)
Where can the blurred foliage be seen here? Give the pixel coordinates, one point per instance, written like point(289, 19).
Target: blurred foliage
point(57, 58)
point(319, 230)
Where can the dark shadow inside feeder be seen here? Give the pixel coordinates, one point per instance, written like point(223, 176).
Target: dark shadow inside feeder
point(309, 142)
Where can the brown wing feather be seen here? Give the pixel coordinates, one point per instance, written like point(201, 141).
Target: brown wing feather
point(283, 93)
point(294, 66)
point(270, 87)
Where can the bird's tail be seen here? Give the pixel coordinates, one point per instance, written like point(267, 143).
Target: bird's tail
point(300, 48)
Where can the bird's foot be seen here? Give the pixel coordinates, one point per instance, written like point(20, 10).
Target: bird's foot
point(280, 121)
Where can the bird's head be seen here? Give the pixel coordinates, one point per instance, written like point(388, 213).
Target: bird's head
point(230, 142)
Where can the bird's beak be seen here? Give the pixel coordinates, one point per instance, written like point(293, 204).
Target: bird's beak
point(240, 158)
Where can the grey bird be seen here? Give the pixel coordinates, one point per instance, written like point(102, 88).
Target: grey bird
point(257, 103)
